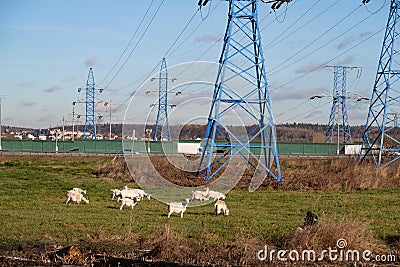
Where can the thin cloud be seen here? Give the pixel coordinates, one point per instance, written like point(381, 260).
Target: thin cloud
point(347, 60)
point(207, 38)
point(28, 104)
point(69, 80)
point(349, 40)
point(26, 84)
point(309, 68)
point(52, 89)
point(47, 118)
point(91, 62)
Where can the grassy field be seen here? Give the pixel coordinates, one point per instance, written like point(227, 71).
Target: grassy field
point(34, 213)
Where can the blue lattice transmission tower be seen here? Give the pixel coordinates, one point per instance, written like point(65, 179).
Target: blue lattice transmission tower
point(162, 129)
point(241, 92)
point(90, 124)
point(381, 134)
point(338, 124)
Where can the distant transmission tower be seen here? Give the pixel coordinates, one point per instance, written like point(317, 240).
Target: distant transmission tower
point(162, 130)
point(338, 120)
point(90, 125)
point(381, 134)
point(241, 91)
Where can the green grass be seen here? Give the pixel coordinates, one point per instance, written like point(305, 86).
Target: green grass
point(33, 195)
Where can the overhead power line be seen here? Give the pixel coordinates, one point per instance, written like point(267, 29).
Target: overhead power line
point(129, 43)
point(137, 44)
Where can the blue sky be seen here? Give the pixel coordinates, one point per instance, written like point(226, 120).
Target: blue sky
point(47, 47)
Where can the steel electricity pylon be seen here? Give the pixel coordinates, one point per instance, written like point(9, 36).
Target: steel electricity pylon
point(381, 138)
point(241, 95)
point(338, 124)
point(90, 124)
point(162, 130)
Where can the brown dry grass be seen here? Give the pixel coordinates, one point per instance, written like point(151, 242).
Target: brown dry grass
point(326, 233)
point(298, 174)
point(115, 169)
point(336, 174)
point(169, 246)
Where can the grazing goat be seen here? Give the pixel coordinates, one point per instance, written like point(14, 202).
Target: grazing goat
point(178, 207)
point(76, 189)
point(141, 193)
point(128, 202)
point(115, 193)
point(200, 195)
point(221, 207)
point(126, 193)
point(215, 195)
point(75, 197)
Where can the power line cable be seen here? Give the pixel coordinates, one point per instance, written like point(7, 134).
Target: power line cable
point(192, 32)
point(314, 41)
point(283, 37)
point(180, 34)
point(267, 26)
point(166, 54)
point(294, 108)
point(129, 43)
point(307, 112)
point(137, 44)
point(144, 78)
point(316, 50)
point(374, 12)
point(327, 62)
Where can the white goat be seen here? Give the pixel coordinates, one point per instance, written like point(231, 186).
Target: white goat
point(200, 195)
point(215, 195)
point(115, 193)
point(221, 207)
point(75, 197)
point(128, 202)
point(76, 189)
point(178, 207)
point(126, 193)
point(141, 193)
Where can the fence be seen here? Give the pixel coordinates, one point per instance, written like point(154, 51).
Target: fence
point(115, 146)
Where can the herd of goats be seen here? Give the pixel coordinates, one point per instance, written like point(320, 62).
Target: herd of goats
point(131, 196)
